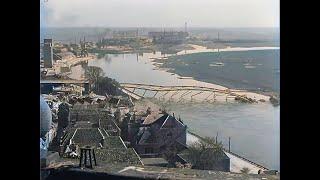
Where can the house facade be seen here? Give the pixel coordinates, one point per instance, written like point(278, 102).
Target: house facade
point(155, 133)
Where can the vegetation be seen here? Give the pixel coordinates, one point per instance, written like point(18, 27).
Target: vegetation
point(205, 154)
point(170, 154)
point(107, 85)
point(93, 73)
point(100, 84)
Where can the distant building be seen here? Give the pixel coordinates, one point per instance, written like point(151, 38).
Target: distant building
point(125, 34)
point(48, 53)
point(171, 37)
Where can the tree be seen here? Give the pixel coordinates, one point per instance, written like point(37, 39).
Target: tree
point(205, 154)
point(100, 84)
point(93, 73)
point(107, 85)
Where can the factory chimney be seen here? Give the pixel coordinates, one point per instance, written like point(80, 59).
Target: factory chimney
point(48, 53)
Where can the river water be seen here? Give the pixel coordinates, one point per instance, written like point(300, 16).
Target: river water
point(254, 128)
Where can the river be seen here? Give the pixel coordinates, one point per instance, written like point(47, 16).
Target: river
point(254, 128)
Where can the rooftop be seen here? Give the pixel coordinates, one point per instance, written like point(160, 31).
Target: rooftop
point(151, 118)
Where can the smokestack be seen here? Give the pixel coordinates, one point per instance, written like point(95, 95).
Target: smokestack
point(48, 53)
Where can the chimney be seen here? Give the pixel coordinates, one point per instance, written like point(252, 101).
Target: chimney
point(48, 53)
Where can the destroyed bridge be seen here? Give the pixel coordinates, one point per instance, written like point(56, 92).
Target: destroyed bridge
point(181, 93)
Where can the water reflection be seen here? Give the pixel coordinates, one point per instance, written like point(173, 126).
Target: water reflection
point(107, 58)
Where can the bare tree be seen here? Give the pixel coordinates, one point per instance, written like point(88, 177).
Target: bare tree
point(93, 73)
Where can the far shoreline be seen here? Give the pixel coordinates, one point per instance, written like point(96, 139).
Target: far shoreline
point(153, 59)
point(201, 49)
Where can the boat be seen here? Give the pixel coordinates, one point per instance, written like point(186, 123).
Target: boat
point(220, 64)
point(185, 77)
point(249, 67)
point(217, 64)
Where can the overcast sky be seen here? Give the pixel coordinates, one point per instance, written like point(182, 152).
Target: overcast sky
point(161, 13)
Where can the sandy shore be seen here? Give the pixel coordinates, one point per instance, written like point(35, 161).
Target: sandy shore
point(192, 82)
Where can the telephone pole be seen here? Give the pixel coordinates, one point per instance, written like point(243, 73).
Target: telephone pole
point(229, 143)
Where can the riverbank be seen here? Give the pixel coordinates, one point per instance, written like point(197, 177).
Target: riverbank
point(231, 69)
point(160, 62)
point(156, 60)
point(69, 63)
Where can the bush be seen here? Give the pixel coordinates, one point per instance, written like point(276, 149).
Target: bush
point(205, 154)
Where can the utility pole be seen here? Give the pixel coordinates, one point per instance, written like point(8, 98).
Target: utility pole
point(229, 143)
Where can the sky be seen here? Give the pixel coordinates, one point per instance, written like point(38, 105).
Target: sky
point(160, 13)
